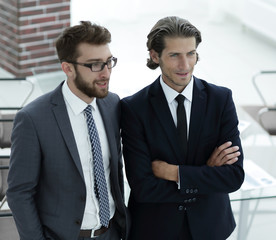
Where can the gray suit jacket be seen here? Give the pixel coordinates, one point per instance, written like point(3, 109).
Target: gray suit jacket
point(46, 185)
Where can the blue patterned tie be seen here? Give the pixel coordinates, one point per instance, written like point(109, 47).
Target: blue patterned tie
point(99, 175)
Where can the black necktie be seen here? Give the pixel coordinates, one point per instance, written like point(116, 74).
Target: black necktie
point(181, 123)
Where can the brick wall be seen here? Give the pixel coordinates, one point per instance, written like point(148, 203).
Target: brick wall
point(28, 30)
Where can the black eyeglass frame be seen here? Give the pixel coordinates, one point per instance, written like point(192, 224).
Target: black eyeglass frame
point(90, 65)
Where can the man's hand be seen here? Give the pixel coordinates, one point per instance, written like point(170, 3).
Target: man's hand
point(164, 170)
point(224, 154)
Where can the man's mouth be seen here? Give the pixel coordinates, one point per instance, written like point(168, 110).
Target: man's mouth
point(182, 74)
point(102, 84)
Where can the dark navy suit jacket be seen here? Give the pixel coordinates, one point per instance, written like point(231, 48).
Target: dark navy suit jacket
point(47, 190)
point(157, 206)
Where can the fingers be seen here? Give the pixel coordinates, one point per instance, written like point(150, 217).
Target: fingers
point(227, 152)
point(231, 157)
point(224, 154)
point(224, 146)
point(232, 161)
point(219, 149)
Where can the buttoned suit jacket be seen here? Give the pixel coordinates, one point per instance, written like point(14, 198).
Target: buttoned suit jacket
point(46, 190)
point(157, 206)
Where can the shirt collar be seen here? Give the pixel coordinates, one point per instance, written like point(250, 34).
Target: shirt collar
point(76, 104)
point(171, 94)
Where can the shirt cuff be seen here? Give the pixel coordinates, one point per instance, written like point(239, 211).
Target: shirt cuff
point(178, 182)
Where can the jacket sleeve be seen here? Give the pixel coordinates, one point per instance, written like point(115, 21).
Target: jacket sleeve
point(145, 187)
point(23, 178)
point(224, 179)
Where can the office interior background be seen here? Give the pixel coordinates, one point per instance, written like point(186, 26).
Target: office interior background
point(238, 50)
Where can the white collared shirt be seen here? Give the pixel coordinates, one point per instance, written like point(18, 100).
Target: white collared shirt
point(171, 94)
point(75, 107)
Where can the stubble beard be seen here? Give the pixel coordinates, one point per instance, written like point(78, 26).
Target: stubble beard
point(171, 79)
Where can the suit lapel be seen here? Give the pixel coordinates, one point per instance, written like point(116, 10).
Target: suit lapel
point(158, 101)
point(105, 110)
point(199, 104)
point(63, 121)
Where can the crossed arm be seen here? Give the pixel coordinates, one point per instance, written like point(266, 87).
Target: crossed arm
point(222, 155)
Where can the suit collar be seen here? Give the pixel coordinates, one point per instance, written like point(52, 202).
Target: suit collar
point(63, 121)
point(106, 107)
point(162, 111)
point(197, 118)
point(76, 104)
point(171, 94)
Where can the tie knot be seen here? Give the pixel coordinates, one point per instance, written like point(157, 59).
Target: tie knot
point(88, 110)
point(180, 99)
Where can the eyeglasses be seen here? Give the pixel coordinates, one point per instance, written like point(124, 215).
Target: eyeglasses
point(99, 66)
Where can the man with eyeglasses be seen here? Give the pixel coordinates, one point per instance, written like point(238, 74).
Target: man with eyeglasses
point(65, 179)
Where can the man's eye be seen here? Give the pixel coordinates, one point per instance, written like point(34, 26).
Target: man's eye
point(174, 55)
point(97, 64)
point(191, 53)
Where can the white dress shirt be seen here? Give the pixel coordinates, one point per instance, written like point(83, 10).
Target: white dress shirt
point(75, 107)
point(171, 94)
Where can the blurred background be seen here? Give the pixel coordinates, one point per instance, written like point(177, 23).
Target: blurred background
point(238, 50)
point(237, 41)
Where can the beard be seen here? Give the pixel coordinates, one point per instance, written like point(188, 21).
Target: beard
point(90, 89)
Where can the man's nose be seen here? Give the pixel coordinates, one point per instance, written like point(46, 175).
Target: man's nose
point(105, 73)
point(183, 63)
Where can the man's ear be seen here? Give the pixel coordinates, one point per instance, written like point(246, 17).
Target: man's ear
point(197, 58)
point(68, 68)
point(154, 56)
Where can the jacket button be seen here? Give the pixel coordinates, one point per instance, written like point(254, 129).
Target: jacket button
point(180, 208)
point(194, 199)
point(195, 190)
point(78, 222)
point(187, 190)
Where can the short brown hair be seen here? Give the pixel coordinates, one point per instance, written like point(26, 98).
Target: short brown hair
point(71, 37)
point(169, 27)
